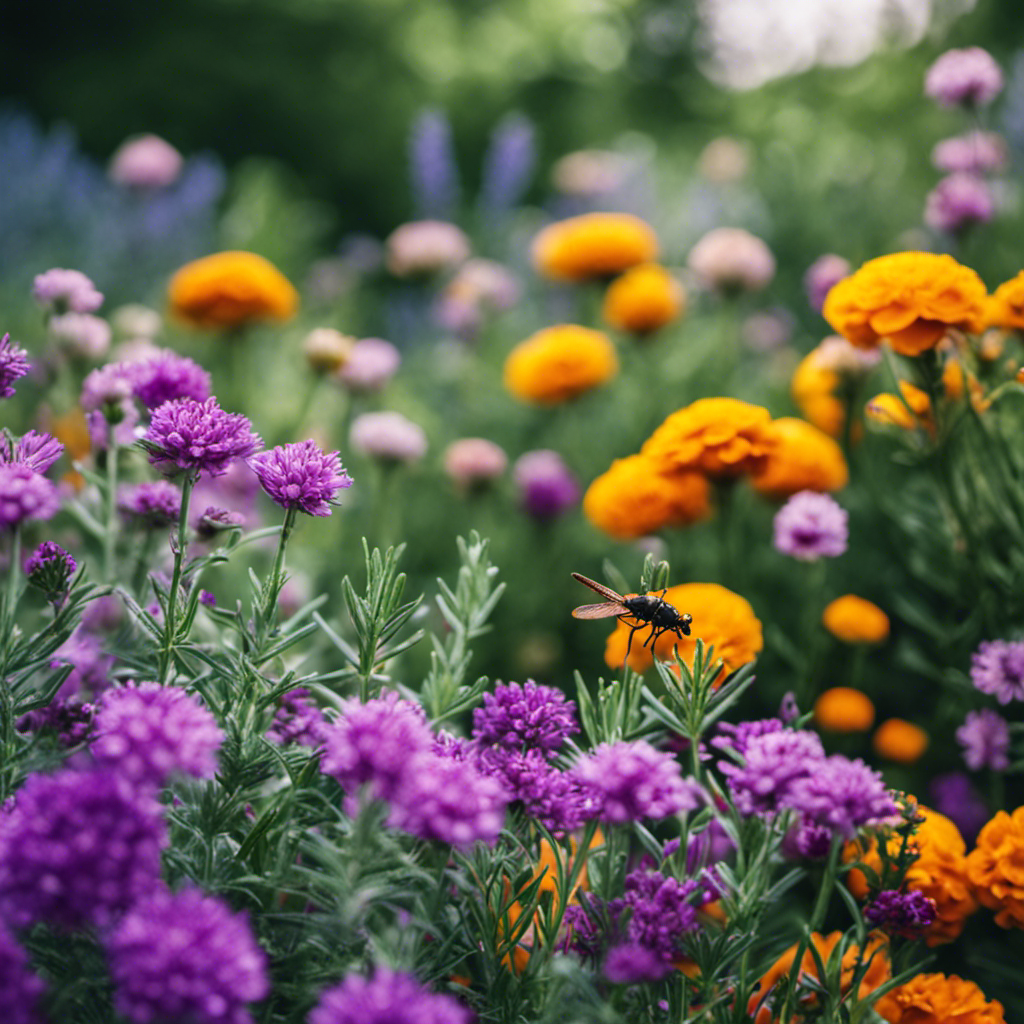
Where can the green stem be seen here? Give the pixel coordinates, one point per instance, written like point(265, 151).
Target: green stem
point(170, 625)
point(6, 643)
point(277, 575)
point(110, 532)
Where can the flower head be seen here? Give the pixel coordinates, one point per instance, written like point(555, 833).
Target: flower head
point(1005, 306)
point(49, 568)
point(560, 363)
point(968, 78)
point(388, 436)
point(425, 247)
point(731, 259)
point(661, 912)
point(773, 763)
point(167, 376)
point(327, 350)
point(957, 202)
point(185, 957)
point(855, 621)
point(997, 668)
point(68, 719)
point(21, 988)
point(985, 738)
point(593, 245)
point(13, 364)
point(302, 476)
point(153, 504)
point(297, 720)
point(844, 709)
point(994, 868)
point(644, 299)
point(78, 847)
point(474, 461)
point(799, 457)
point(841, 795)
point(525, 715)
point(63, 291)
point(822, 276)
point(955, 796)
point(907, 914)
point(199, 437)
point(938, 999)
point(36, 451)
point(547, 487)
point(25, 494)
point(811, 526)
point(145, 161)
point(633, 781)
point(149, 732)
point(629, 963)
point(976, 152)
point(899, 740)
point(230, 290)
point(82, 334)
point(370, 365)
point(388, 997)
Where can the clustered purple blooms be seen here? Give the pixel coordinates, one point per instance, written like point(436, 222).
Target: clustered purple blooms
point(953, 795)
point(547, 487)
point(199, 437)
point(20, 987)
point(301, 476)
point(632, 964)
point(842, 795)
point(773, 762)
point(166, 377)
point(811, 526)
point(297, 720)
point(25, 494)
point(907, 914)
point(525, 715)
point(150, 732)
point(49, 568)
point(60, 290)
point(957, 202)
point(822, 276)
point(110, 409)
point(997, 668)
point(968, 77)
point(738, 737)
point(13, 365)
point(91, 666)
point(154, 503)
point(69, 719)
point(633, 781)
point(37, 451)
point(186, 957)
point(660, 909)
point(77, 848)
point(976, 152)
point(389, 997)
point(985, 737)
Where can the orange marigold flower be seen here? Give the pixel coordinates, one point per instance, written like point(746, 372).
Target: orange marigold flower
point(800, 457)
point(995, 868)
point(855, 621)
point(909, 298)
point(876, 954)
point(1005, 306)
point(899, 740)
point(560, 363)
point(644, 299)
point(813, 387)
point(720, 617)
point(938, 999)
point(593, 245)
point(844, 709)
point(632, 499)
point(912, 411)
point(722, 437)
point(231, 289)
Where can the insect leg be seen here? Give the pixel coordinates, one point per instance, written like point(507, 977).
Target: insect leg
point(629, 643)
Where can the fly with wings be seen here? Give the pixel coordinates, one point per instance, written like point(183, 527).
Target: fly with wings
point(645, 609)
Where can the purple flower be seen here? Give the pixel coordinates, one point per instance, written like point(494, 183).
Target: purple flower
point(149, 732)
point(372, 744)
point(547, 487)
point(370, 365)
point(985, 737)
point(37, 451)
point(526, 715)
point(145, 162)
point(841, 795)
point(508, 164)
point(69, 719)
point(297, 720)
point(168, 376)
point(207, 599)
point(199, 437)
point(976, 152)
point(631, 964)
point(774, 762)
point(186, 957)
point(110, 409)
point(21, 988)
point(25, 494)
point(822, 276)
point(78, 847)
point(448, 801)
point(49, 568)
point(968, 77)
point(388, 436)
point(60, 291)
point(235, 491)
point(811, 526)
point(388, 997)
point(217, 520)
point(83, 650)
point(13, 364)
point(906, 914)
point(661, 912)
point(83, 335)
point(153, 504)
point(807, 840)
point(953, 795)
point(633, 781)
point(738, 737)
point(301, 476)
point(958, 202)
point(432, 166)
point(997, 668)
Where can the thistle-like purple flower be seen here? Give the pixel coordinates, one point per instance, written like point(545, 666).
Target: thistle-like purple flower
point(49, 568)
point(997, 668)
point(298, 720)
point(150, 732)
point(525, 715)
point(21, 989)
point(388, 997)
point(168, 376)
point(199, 437)
point(958, 202)
point(953, 795)
point(83, 650)
point(13, 364)
point(154, 504)
point(974, 153)
point(661, 912)
point(37, 451)
point(68, 719)
point(370, 365)
point(388, 436)
point(774, 761)
point(811, 526)
point(985, 737)
point(25, 494)
point(822, 276)
point(907, 914)
point(633, 781)
point(968, 77)
point(738, 737)
point(302, 477)
point(186, 957)
point(547, 487)
point(83, 335)
point(78, 847)
point(633, 964)
point(60, 290)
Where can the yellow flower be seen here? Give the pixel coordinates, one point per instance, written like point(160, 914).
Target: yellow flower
point(938, 999)
point(644, 299)
point(996, 868)
point(843, 709)
point(231, 289)
point(593, 245)
point(900, 741)
point(909, 298)
point(813, 387)
point(912, 411)
point(632, 499)
point(800, 457)
point(720, 617)
point(722, 437)
point(856, 621)
point(559, 363)
point(1005, 306)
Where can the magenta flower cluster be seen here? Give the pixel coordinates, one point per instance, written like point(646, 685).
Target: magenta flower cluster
point(525, 716)
point(25, 494)
point(14, 364)
point(969, 78)
point(907, 914)
point(985, 738)
point(153, 504)
point(49, 568)
point(388, 997)
point(21, 989)
point(62, 291)
point(301, 476)
point(811, 526)
point(547, 487)
point(297, 720)
point(997, 668)
point(36, 451)
point(198, 437)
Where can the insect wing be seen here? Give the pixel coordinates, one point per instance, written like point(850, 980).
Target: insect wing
point(604, 610)
point(599, 588)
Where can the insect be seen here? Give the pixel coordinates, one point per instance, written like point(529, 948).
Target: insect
point(646, 609)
